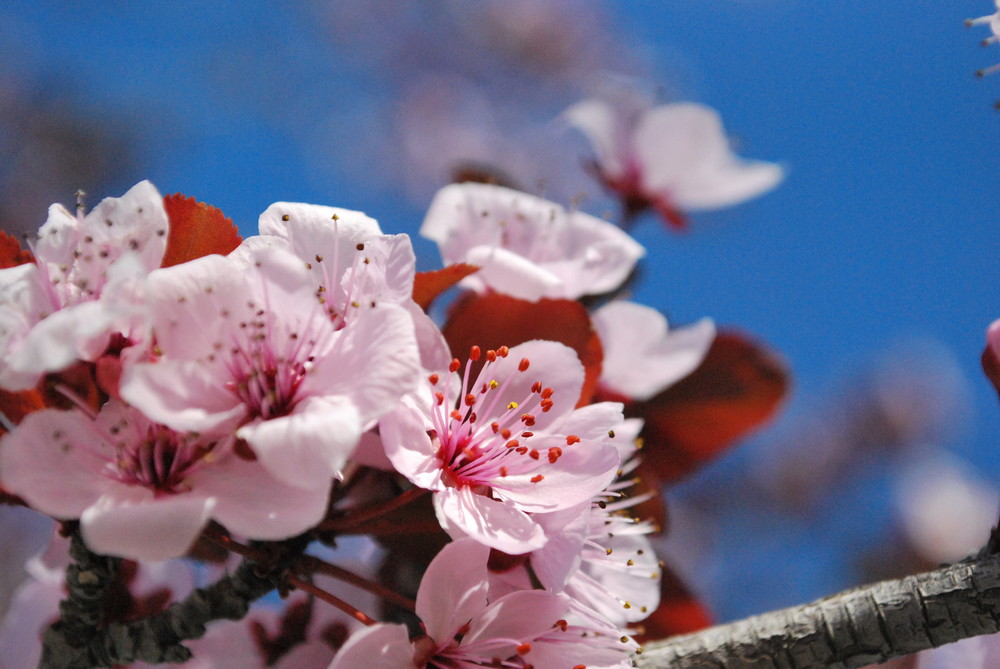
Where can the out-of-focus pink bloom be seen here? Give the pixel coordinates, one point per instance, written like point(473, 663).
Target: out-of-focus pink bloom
point(466, 627)
point(673, 158)
point(991, 355)
point(250, 345)
point(641, 356)
point(980, 652)
point(143, 491)
point(81, 287)
point(505, 445)
point(526, 246)
point(993, 20)
point(946, 511)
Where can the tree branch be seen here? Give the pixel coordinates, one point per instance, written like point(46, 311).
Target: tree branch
point(852, 629)
point(78, 640)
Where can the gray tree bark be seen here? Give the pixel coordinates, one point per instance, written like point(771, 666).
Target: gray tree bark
point(855, 628)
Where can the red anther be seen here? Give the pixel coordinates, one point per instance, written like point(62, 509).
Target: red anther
point(440, 398)
point(546, 405)
point(525, 435)
point(495, 426)
point(547, 393)
point(503, 471)
point(455, 364)
point(505, 433)
point(563, 625)
point(554, 453)
point(572, 439)
point(483, 389)
point(513, 443)
point(533, 454)
point(522, 450)
point(491, 355)
point(527, 419)
point(524, 649)
point(473, 417)
point(470, 399)
point(536, 478)
point(456, 415)
point(536, 387)
point(434, 378)
point(474, 353)
point(503, 351)
point(523, 366)
point(580, 666)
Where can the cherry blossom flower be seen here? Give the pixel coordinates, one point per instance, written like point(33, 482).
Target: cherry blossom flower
point(352, 264)
point(81, 287)
point(526, 246)
point(466, 627)
point(506, 444)
point(673, 158)
point(143, 491)
point(270, 361)
point(641, 356)
point(993, 20)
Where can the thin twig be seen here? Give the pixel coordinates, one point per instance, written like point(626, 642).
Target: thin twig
point(313, 564)
point(355, 517)
point(319, 593)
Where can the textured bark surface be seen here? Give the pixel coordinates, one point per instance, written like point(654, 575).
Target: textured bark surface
point(852, 629)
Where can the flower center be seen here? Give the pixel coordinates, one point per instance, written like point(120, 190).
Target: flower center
point(483, 436)
point(163, 460)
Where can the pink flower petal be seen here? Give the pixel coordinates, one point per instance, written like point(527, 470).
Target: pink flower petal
point(377, 647)
point(490, 522)
point(641, 357)
point(133, 525)
point(251, 502)
point(453, 590)
point(48, 449)
point(310, 446)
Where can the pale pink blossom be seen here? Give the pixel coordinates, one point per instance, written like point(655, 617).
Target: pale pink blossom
point(993, 20)
point(980, 652)
point(465, 626)
point(353, 266)
point(506, 444)
point(641, 355)
point(82, 286)
point(597, 553)
point(246, 345)
point(526, 246)
point(673, 158)
point(142, 490)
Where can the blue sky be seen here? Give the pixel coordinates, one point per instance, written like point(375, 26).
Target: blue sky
point(884, 231)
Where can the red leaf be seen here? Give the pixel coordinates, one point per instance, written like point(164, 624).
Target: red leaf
point(11, 253)
point(428, 285)
point(16, 405)
point(679, 611)
point(493, 320)
point(737, 388)
point(196, 230)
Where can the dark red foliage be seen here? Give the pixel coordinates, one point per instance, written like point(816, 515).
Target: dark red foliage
point(736, 389)
point(493, 320)
point(428, 285)
point(196, 230)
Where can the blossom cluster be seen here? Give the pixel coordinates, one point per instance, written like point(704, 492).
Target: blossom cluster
point(164, 380)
